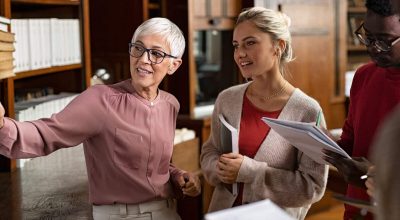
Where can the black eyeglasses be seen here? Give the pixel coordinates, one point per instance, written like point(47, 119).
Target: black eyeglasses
point(381, 45)
point(155, 56)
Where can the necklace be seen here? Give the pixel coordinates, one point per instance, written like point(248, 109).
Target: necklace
point(274, 94)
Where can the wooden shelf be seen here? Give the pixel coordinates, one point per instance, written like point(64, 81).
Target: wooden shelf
point(77, 75)
point(357, 10)
point(48, 2)
point(154, 6)
point(54, 69)
point(357, 48)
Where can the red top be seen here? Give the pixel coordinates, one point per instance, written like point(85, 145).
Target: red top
point(252, 133)
point(374, 93)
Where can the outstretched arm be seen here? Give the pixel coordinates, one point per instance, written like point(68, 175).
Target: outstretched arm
point(2, 111)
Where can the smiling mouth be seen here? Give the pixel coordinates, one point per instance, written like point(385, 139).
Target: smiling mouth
point(143, 71)
point(244, 64)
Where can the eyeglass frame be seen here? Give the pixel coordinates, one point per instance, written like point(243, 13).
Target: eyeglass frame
point(373, 42)
point(148, 53)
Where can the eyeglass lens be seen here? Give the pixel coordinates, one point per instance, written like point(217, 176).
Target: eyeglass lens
point(155, 56)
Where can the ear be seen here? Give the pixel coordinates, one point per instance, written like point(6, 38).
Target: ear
point(280, 46)
point(174, 65)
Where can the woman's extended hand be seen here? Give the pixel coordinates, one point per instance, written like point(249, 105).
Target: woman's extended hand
point(228, 167)
point(2, 111)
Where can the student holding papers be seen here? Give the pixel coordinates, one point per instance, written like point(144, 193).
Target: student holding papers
point(375, 92)
point(267, 166)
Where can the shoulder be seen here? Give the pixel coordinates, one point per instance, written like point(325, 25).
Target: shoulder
point(170, 99)
point(365, 71)
point(301, 99)
point(103, 93)
point(232, 92)
point(301, 107)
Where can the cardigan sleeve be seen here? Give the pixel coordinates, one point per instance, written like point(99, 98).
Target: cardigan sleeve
point(296, 185)
point(287, 188)
point(209, 152)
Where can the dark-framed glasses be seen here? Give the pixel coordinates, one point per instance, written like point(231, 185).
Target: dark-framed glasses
point(381, 45)
point(155, 56)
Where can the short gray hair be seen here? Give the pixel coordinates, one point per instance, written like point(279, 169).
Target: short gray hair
point(165, 28)
point(276, 24)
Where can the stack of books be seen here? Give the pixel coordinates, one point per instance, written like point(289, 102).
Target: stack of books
point(6, 49)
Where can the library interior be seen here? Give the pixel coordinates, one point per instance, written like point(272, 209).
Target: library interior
point(52, 50)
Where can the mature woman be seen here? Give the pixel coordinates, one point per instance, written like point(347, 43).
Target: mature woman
point(127, 130)
point(267, 166)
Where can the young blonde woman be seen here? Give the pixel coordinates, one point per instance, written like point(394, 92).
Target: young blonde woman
point(267, 166)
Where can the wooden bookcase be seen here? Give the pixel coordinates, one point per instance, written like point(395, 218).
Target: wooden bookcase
point(64, 78)
point(356, 51)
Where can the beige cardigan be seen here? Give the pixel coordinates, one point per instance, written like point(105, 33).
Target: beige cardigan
point(278, 171)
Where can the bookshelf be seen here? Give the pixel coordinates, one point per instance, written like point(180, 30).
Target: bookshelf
point(356, 52)
point(71, 77)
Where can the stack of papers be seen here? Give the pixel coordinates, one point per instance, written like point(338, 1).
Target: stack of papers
point(306, 137)
point(264, 209)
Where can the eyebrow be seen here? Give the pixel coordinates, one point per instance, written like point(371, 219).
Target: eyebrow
point(154, 47)
point(244, 39)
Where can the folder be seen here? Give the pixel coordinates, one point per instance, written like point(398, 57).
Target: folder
point(306, 137)
point(229, 142)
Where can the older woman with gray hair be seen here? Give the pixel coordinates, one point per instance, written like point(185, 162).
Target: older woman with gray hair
point(127, 130)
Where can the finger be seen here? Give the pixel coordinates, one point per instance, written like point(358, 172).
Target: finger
point(331, 161)
point(223, 159)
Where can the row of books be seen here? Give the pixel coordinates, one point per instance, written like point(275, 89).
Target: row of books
point(42, 107)
point(42, 43)
point(6, 49)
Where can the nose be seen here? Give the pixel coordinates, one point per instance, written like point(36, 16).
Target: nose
point(145, 58)
point(240, 52)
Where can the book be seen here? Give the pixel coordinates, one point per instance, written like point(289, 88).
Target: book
point(7, 36)
point(229, 142)
point(229, 137)
point(306, 137)
point(6, 64)
point(6, 46)
point(6, 73)
point(5, 56)
point(264, 209)
point(5, 20)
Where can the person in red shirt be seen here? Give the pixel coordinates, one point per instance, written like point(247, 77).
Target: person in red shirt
point(374, 94)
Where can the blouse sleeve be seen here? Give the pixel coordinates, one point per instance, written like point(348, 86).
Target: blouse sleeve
point(79, 120)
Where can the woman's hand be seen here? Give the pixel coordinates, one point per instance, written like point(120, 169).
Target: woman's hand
point(2, 111)
point(228, 167)
point(190, 184)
